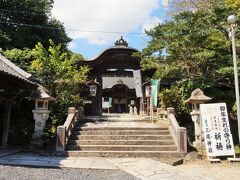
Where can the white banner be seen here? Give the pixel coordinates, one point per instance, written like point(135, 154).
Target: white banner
point(217, 133)
point(138, 82)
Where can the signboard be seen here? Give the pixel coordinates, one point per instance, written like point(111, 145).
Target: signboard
point(87, 102)
point(155, 85)
point(147, 91)
point(138, 82)
point(93, 90)
point(132, 102)
point(217, 134)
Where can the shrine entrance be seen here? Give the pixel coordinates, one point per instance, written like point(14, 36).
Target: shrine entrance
point(120, 98)
point(112, 74)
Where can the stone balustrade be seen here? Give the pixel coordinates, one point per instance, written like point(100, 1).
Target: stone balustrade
point(179, 133)
point(64, 131)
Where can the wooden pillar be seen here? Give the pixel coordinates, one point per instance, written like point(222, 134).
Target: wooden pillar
point(148, 106)
point(7, 116)
point(94, 105)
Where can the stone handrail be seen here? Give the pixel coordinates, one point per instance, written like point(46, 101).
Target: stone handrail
point(179, 133)
point(161, 113)
point(64, 131)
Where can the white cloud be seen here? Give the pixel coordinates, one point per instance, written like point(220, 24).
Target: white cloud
point(151, 23)
point(165, 3)
point(104, 16)
point(72, 45)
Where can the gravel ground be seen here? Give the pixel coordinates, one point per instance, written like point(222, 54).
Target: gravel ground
point(217, 171)
point(27, 173)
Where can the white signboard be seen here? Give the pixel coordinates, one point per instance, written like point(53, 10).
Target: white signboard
point(93, 90)
point(138, 82)
point(217, 134)
point(147, 91)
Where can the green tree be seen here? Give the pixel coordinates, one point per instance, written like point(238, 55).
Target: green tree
point(235, 4)
point(58, 70)
point(24, 23)
point(60, 73)
point(198, 53)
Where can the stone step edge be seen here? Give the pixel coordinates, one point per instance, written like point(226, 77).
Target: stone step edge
point(163, 146)
point(120, 132)
point(137, 140)
point(125, 152)
point(126, 130)
point(125, 135)
point(122, 128)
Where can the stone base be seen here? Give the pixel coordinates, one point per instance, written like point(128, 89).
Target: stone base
point(37, 144)
point(200, 147)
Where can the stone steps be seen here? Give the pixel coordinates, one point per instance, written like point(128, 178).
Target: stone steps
point(145, 154)
point(121, 142)
point(123, 147)
point(118, 138)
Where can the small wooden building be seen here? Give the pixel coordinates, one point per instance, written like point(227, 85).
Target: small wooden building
point(12, 80)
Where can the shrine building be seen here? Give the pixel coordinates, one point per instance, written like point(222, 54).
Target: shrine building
point(112, 88)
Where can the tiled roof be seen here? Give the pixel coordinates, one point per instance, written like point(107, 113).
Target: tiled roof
point(11, 69)
point(41, 93)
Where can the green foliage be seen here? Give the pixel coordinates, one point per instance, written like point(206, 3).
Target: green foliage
point(27, 22)
point(237, 150)
point(60, 73)
point(235, 4)
point(21, 58)
point(58, 70)
point(198, 54)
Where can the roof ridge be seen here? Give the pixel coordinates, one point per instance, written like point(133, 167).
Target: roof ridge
point(15, 67)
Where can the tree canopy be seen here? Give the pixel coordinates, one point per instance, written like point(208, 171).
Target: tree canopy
point(198, 52)
point(25, 23)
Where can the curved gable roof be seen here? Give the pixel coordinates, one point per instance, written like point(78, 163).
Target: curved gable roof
point(117, 47)
point(121, 53)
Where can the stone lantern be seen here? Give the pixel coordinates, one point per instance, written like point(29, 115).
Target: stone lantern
point(40, 114)
point(197, 98)
point(93, 87)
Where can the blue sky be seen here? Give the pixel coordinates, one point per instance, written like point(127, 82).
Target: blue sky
point(92, 23)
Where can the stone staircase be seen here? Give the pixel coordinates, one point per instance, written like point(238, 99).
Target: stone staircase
point(118, 138)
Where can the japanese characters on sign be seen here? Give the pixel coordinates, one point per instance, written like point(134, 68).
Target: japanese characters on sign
point(217, 134)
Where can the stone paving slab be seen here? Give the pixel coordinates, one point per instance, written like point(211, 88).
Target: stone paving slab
point(8, 151)
point(57, 162)
point(143, 168)
point(148, 169)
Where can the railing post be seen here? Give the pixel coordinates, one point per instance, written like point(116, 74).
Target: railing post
point(182, 140)
point(71, 110)
point(170, 110)
point(61, 139)
point(81, 112)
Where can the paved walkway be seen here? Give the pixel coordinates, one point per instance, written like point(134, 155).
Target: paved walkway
point(142, 168)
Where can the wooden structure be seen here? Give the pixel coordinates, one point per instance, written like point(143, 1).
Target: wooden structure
point(12, 79)
point(113, 71)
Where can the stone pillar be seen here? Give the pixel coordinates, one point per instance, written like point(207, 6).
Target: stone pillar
point(130, 110)
point(40, 116)
point(135, 110)
point(199, 138)
point(7, 115)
